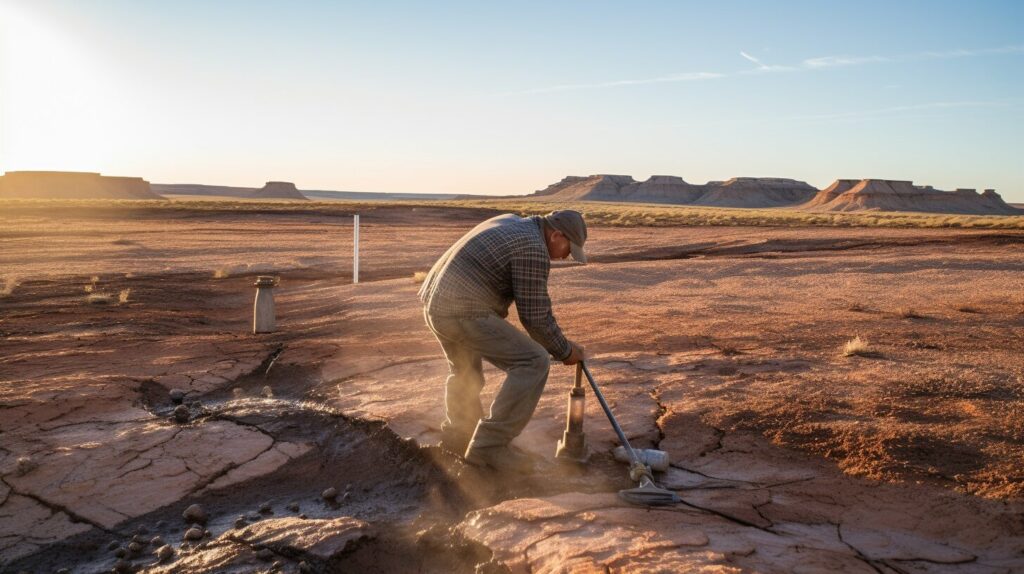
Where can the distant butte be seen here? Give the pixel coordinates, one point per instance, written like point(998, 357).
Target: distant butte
point(766, 192)
point(72, 185)
point(278, 190)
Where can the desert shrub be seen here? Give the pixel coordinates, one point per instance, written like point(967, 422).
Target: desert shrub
point(859, 347)
point(9, 285)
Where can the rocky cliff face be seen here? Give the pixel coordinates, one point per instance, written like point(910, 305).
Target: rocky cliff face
point(737, 192)
point(73, 185)
point(278, 190)
point(893, 195)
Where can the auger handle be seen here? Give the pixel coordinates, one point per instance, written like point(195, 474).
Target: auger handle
point(611, 418)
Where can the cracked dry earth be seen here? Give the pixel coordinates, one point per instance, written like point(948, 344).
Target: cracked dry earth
point(719, 345)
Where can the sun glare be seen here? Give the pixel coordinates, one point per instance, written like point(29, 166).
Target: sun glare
point(54, 97)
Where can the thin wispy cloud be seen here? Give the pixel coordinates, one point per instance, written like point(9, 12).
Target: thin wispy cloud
point(809, 64)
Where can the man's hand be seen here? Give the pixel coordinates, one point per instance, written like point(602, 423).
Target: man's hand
point(575, 356)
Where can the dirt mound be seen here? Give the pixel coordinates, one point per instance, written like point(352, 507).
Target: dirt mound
point(73, 185)
point(278, 190)
point(892, 195)
point(756, 192)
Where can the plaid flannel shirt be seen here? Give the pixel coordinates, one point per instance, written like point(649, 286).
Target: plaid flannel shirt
point(502, 260)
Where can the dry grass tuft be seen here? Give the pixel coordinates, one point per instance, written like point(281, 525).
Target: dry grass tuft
point(859, 347)
point(11, 283)
point(221, 273)
point(419, 277)
point(122, 297)
point(98, 298)
point(910, 313)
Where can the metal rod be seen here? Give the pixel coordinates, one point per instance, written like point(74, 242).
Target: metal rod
point(355, 248)
point(611, 418)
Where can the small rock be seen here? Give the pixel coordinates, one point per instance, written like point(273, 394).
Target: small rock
point(194, 514)
point(163, 553)
point(277, 565)
point(120, 553)
point(25, 465)
point(193, 534)
point(142, 529)
point(113, 545)
point(267, 392)
point(305, 567)
point(293, 506)
point(157, 541)
point(330, 494)
point(303, 516)
point(240, 523)
point(139, 539)
point(264, 554)
point(237, 393)
point(122, 566)
point(207, 533)
point(265, 508)
point(177, 395)
point(134, 548)
point(181, 413)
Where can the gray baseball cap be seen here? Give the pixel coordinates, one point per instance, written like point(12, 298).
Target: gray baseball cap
point(571, 224)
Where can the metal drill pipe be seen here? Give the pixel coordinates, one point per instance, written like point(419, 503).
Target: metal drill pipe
point(611, 418)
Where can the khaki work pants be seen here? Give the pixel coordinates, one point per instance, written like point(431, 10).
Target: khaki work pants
point(468, 342)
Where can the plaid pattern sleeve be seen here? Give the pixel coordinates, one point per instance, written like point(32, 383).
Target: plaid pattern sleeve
point(502, 260)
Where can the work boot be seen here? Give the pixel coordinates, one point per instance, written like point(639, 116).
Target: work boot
point(454, 442)
point(500, 458)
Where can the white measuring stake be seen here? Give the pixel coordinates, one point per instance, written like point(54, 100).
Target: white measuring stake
point(355, 249)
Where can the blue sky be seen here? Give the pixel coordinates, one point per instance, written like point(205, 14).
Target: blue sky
point(503, 99)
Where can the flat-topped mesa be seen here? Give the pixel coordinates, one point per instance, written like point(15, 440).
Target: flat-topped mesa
point(756, 192)
point(278, 190)
point(896, 195)
point(73, 185)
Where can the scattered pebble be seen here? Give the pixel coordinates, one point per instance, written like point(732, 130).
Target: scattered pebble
point(134, 548)
point(303, 516)
point(25, 465)
point(163, 553)
point(194, 514)
point(293, 506)
point(122, 566)
point(267, 392)
point(207, 533)
point(120, 553)
point(240, 523)
point(139, 539)
point(177, 395)
point(237, 393)
point(330, 494)
point(305, 567)
point(193, 534)
point(265, 508)
point(264, 554)
point(142, 529)
point(181, 413)
point(157, 541)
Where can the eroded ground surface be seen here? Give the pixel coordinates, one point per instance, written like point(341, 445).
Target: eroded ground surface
point(720, 345)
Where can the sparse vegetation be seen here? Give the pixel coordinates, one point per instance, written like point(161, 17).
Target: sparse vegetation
point(98, 298)
point(10, 284)
point(419, 277)
point(221, 273)
point(603, 213)
point(859, 347)
point(122, 297)
point(909, 313)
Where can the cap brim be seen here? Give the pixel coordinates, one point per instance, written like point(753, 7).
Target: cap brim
point(577, 252)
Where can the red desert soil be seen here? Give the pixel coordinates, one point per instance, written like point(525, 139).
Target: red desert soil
point(723, 346)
